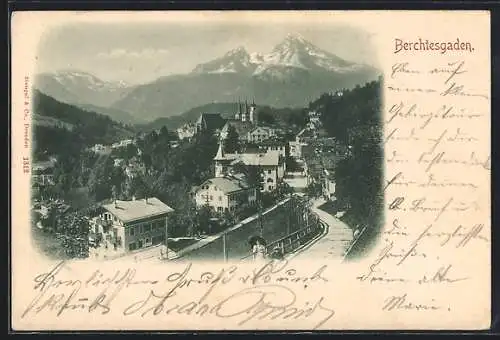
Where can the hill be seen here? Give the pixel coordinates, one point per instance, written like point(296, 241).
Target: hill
point(287, 116)
point(61, 128)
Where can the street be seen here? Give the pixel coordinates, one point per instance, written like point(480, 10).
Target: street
point(334, 242)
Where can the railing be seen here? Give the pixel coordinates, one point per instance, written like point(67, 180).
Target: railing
point(295, 240)
point(353, 243)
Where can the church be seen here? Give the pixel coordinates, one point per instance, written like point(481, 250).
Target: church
point(243, 122)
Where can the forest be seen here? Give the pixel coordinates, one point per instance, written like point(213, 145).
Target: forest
point(80, 128)
point(355, 120)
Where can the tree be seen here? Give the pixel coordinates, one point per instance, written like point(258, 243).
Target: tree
point(203, 218)
point(114, 192)
point(75, 235)
point(292, 165)
point(314, 189)
point(232, 141)
point(100, 179)
point(354, 119)
point(266, 117)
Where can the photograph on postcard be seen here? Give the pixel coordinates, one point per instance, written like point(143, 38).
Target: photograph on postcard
point(251, 170)
point(223, 141)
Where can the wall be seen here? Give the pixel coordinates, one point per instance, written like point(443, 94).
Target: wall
point(153, 232)
point(275, 225)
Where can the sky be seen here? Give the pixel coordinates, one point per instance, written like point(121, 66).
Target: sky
point(139, 52)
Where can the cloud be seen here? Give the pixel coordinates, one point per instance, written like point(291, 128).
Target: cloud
point(140, 54)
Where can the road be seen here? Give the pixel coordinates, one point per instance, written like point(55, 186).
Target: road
point(334, 242)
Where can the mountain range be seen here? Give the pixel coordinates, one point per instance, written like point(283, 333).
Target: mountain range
point(292, 74)
point(87, 92)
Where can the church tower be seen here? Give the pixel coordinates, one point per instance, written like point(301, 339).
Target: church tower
point(220, 161)
point(253, 113)
point(243, 115)
point(237, 116)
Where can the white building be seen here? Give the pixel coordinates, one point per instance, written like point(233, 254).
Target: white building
point(98, 148)
point(260, 134)
point(186, 131)
point(270, 164)
point(131, 225)
point(328, 185)
point(275, 145)
point(118, 162)
point(225, 194)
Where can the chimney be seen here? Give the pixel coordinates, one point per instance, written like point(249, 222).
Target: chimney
point(116, 204)
point(146, 199)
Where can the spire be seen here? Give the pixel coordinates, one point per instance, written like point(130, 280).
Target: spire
point(220, 152)
point(237, 115)
point(246, 106)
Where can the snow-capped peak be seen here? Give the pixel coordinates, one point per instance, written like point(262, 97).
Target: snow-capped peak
point(296, 37)
point(237, 51)
point(68, 77)
point(293, 51)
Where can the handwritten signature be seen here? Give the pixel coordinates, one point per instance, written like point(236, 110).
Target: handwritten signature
point(267, 298)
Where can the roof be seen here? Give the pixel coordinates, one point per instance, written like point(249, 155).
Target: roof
point(241, 127)
point(227, 184)
point(271, 157)
point(128, 211)
point(212, 121)
point(43, 165)
point(273, 142)
point(220, 153)
point(260, 129)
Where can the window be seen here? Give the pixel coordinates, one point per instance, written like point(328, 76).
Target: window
point(220, 198)
point(132, 246)
point(146, 228)
point(147, 242)
point(269, 171)
point(132, 230)
point(211, 197)
point(269, 180)
point(271, 187)
point(220, 209)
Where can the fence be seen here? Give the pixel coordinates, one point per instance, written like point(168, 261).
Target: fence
point(295, 240)
point(353, 243)
point(274, 224)
point(291, 242)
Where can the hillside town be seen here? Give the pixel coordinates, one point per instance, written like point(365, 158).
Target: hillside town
point(256, 167)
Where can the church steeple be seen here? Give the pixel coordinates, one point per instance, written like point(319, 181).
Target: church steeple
point(220, 153)
point(238, 112)
point(220, 161)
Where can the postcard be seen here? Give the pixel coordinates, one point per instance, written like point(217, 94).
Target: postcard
point(250, 170)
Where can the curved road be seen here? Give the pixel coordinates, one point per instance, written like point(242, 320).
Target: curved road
point(333, 243)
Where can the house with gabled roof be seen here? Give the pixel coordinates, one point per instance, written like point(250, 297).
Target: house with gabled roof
point(270, 164)
point(210, 122)
point(225, 193)
point(131, 225)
